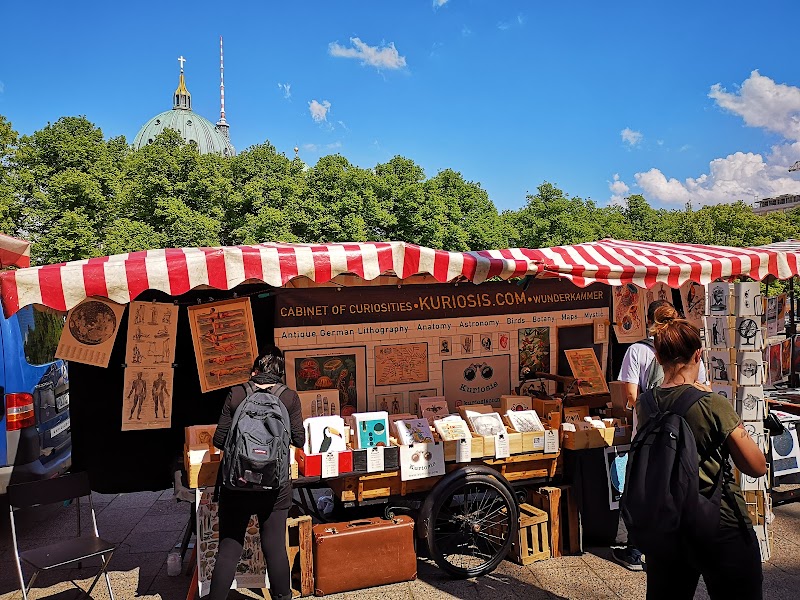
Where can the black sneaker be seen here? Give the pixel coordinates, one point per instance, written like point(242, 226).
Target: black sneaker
point(630, 558)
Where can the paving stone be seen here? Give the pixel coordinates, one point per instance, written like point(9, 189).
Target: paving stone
point(576, 583)
point(163, 523)
point(153, 541)
point(171, 507)
point(114, 517)
point(135, 500)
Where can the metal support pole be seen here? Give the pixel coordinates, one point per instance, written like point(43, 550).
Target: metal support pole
point(791, 330)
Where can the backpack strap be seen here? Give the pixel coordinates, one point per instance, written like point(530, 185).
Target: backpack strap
point(278, 389)
point(646, 342)
point(648, 401)
point(686, 400)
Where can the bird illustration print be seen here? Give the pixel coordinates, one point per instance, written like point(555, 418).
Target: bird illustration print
point(327, 439)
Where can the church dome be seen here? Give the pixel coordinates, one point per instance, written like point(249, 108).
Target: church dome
point(191, 126)
point(209, 138)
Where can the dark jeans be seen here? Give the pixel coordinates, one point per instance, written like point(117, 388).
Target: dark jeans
point(235, 510)
point(730, 566)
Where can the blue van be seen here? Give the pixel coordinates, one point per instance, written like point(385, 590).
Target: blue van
point(35, 440)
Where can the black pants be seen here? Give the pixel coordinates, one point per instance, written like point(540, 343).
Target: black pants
point(235, 510)
point(730, 566)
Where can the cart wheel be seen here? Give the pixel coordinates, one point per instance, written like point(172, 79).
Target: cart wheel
point(473, 522)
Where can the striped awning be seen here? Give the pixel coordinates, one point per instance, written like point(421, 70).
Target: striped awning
point(14, 252)
point(123, 277)
point(644, 264)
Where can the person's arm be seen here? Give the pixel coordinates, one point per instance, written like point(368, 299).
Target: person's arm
point(746, 454)
point(291, 400)
point(225, 420)
point(631, 394)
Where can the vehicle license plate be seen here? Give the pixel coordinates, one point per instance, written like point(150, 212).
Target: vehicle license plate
point(62, 401)
point(60, 428)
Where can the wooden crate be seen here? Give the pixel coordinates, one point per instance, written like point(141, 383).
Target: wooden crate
point(301, 560)
point(564, 522)
point(532, 543)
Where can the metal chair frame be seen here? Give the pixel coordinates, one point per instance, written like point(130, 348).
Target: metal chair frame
point(75, 486)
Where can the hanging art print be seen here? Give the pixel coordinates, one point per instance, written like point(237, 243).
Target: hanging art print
point(534, 349)
point(693, 298)
point(147, 398)
point(719, 370)
point(152, 330)
point(629, 313)
point(90, 331)
point(718, 334)
point(748, 334)
point(224, 342)
point(750, 369)
point(719, 299)
point(748, 299)
point(660, 291)
point(342, 369)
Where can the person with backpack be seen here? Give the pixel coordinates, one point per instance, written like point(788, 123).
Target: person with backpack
point(681, 504)
point(640, 371)
point(259, 419)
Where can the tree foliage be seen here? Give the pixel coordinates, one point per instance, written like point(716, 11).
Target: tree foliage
point(76, 194)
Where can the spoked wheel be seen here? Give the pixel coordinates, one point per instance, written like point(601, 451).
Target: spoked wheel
point(473, 522)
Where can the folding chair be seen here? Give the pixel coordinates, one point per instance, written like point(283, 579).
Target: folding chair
point(60, 489)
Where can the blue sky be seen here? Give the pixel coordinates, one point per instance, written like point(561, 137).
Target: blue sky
point(679, 101)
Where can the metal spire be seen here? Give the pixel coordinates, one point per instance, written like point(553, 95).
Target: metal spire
point(222, 124)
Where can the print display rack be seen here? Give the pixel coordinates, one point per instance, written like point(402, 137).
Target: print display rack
point(735, 341)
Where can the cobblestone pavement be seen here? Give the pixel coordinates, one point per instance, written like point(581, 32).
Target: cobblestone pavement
point(147, 525)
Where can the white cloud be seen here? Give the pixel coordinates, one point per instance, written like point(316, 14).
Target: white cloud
point(286, 88)
point(684, 148)
point(380, 57)
point(438, 3)
point(660, 142)
point(319, 110)
point(310, 147)
point(333, 146)
point(738, 176)
point(518, 21)
point(619, 190)
point(629, 136)
point(343, 125)
point(763, 103)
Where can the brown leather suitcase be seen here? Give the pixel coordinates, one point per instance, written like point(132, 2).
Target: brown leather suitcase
point(363, 553)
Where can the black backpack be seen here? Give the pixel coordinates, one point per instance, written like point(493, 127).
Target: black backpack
point(661, 503)
point(257, 447)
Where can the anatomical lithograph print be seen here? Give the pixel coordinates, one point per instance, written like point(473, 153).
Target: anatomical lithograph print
point(147, 398)
point(224, 342)
point(629, 313)
point(404, 363)
point(152, 328)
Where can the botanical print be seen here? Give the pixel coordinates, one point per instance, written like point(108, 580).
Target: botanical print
point(534, 349)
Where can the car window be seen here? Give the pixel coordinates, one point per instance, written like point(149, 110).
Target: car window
point(40, 334)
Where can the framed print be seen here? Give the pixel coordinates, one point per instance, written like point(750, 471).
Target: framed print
point(342, 369)
point(584, 365)
point(401, 363)
point(224, 342)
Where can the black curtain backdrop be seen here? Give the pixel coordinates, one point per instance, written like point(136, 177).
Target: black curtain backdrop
point(131, 461)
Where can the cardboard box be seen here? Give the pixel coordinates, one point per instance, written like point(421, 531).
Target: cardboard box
point(619, 397)
point(508, 403)
point(572, 414)
point(588, 438)
point(310, 465)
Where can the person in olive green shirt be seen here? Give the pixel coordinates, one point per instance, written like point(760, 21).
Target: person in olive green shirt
point(731, 562)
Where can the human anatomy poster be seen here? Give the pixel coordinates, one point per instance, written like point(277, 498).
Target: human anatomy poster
point(224, 342)
point(629, 313)
point(147, 398)
point(89, 333)
point(152, 330)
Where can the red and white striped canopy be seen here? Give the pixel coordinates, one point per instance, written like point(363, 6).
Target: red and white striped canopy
point(14, 252)
point(644, 264)
point(123, 277)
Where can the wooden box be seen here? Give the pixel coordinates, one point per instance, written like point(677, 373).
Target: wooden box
point(310, 465)
point(514, 444)
point(549, 411)
point(299, 547)
point(476, 445)
point(588, 438)
point(564, 522)
point(533, 542)
point(508, 403)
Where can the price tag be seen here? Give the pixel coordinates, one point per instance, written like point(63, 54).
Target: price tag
point(501, 445)
point(463, 451)
point(550, 441)
point(375, 459)
point(330, 465)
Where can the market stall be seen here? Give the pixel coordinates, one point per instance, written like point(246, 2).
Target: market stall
point(374, 333)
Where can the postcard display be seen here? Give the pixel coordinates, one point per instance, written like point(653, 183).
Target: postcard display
point(736, 343)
